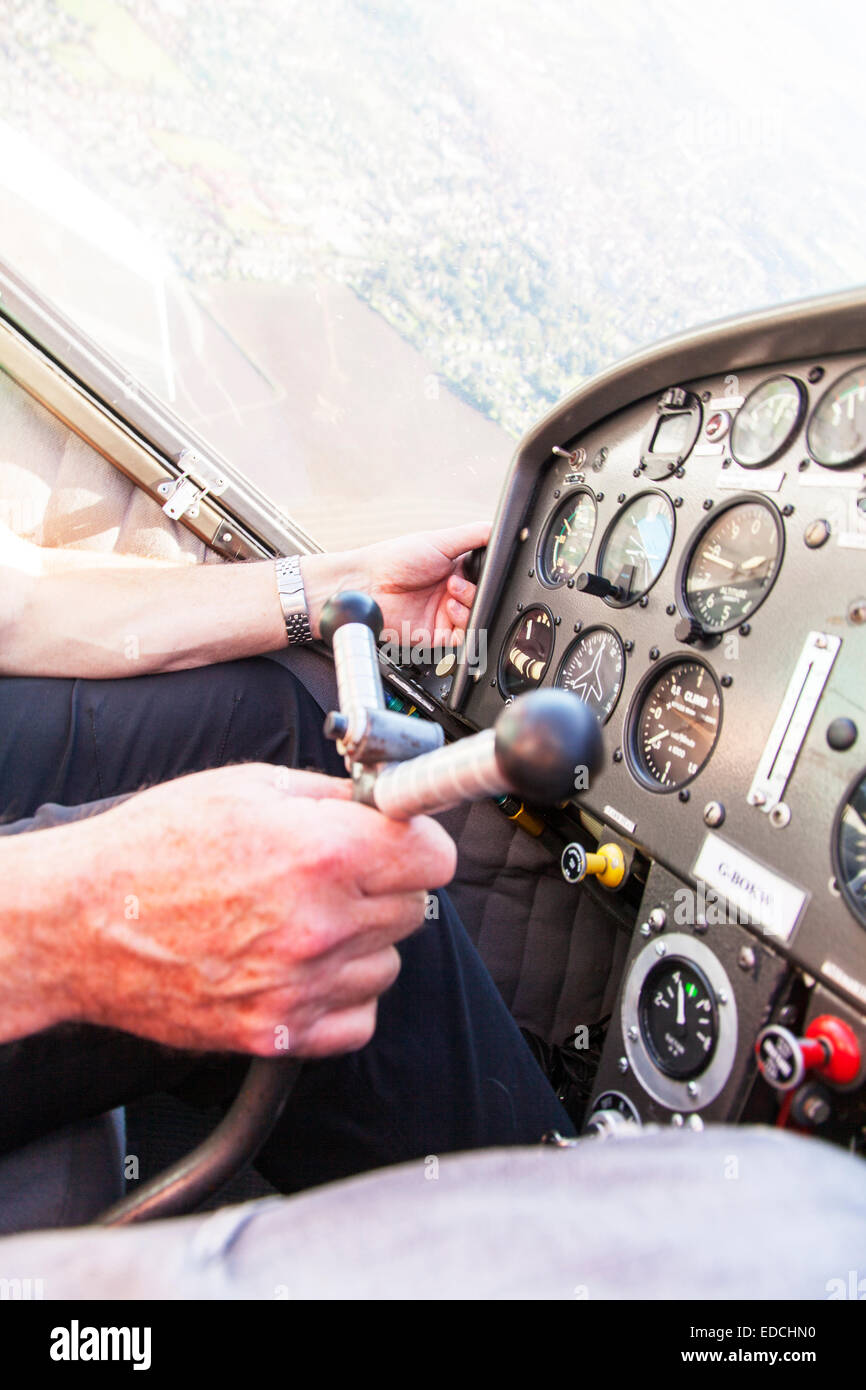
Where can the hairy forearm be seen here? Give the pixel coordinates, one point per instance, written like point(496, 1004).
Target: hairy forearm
point(87, 623)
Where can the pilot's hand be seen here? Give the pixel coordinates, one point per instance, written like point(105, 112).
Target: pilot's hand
point(416, 580)
point(251, 908)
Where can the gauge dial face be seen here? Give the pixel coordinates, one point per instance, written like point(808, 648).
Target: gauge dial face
point(733, 564)
point(837, 430)
point(767, 421)
point(594, 668)
point(678, 1018)
point(675, 725)
point(637, 544)
point(850, 850)
point(567, 538)
point(526, 652)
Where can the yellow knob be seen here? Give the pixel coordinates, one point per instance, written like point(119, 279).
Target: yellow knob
point(608, 865)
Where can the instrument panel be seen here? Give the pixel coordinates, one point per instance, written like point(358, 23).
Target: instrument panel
point(693, 566)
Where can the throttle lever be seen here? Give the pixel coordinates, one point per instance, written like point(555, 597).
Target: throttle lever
point(366, 731)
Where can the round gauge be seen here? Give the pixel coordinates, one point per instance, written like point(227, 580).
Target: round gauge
point(526, 652)
point(849, 849)
point(732, 563)
point(615, 1100)
point(674, 724)
point(767, 421)
point(678, 1018)
point(837, 430)
point(594, 668)
point(636, 545)
point(567, 537)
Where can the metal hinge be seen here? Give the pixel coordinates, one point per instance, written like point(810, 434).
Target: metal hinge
point(198, 480)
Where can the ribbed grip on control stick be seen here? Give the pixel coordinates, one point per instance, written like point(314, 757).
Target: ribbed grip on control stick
point(536, 751)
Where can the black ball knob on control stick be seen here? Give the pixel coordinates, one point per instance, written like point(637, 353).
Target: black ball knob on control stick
point(542, 740)
point(350, 607)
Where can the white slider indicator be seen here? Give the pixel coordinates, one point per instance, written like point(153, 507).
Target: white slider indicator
point(796, 711)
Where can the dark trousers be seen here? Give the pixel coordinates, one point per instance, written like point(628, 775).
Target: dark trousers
point(447, 1069)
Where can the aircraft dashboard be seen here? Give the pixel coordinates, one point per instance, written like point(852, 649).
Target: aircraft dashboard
point(682, 543)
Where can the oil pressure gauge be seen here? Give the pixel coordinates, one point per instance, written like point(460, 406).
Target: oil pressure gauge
point(678, 1018)
point(679, 1021)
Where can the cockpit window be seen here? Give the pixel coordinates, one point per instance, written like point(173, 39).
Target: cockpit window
point(363, 246)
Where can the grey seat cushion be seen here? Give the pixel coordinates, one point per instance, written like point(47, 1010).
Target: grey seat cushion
point(728, 1213)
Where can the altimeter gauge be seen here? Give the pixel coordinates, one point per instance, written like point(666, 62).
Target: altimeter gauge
point(732, 563)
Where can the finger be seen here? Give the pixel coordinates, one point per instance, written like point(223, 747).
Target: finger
point(457, 540)
point(402, 856)
point(347, 1030)
point(382, 921)
point(457, 612)
point(343, 984)
point(462, 589)
point(315, 786)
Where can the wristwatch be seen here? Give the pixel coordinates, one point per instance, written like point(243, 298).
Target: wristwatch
point(293, 600)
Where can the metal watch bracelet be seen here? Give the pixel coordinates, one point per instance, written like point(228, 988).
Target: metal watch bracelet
point(293, 600)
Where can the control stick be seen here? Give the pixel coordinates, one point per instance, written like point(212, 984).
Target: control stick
point(541, 748)
point(537, 749)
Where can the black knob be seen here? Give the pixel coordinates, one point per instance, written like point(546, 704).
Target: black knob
point(350, 607)
point(595, 584)
point(543, 740)
point(473, 564)
point(689, 630)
